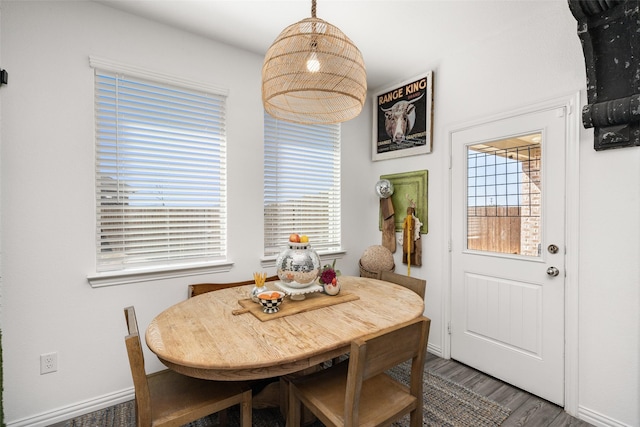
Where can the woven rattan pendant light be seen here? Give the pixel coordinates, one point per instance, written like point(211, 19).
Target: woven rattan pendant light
point(313, 74)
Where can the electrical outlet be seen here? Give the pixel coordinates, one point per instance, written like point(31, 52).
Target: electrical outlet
point(48, 363)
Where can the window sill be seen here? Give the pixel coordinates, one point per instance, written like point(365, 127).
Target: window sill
point(114, 278)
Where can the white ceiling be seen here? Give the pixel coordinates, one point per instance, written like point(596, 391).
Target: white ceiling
point(398, 38)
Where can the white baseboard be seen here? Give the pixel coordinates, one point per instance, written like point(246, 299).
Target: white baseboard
point(434, 349)
point(68, 412)
point(598, 419)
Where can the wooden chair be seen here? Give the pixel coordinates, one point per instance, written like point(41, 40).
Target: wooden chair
point(418, 286)
point(167, 398)
point(202, 288)
point(360, 392)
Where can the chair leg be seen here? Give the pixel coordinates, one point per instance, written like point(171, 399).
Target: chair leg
point(284, 396)
point(306, 416)
point(245, 409)
point(295, 406)
point(415, 418)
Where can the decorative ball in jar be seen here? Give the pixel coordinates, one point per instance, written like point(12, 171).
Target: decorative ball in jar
point(298, 265)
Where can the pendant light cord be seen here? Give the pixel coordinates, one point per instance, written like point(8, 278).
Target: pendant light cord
point(313, 8)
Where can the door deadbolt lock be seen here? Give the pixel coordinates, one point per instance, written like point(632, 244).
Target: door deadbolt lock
point(552, 271)
point(553, 249)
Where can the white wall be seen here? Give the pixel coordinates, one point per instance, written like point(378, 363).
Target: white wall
point(48, 209)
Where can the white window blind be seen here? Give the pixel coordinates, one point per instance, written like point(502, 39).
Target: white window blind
point(301, 184)
point(160, 173)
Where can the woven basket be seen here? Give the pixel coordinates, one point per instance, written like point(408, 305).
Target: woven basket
point(371, 274)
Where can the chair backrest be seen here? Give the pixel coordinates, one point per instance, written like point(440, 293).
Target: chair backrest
point(418, 286)
point(376, 353)
point(203, 288)
point(136, 362)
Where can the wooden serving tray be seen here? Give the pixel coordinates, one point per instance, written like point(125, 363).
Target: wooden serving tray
point(288, 307)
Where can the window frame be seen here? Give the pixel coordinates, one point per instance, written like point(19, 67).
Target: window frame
point(174, 269)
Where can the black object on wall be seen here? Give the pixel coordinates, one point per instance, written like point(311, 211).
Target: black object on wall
point(610, 34)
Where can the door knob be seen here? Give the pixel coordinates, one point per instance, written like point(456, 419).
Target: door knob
point(552, 271)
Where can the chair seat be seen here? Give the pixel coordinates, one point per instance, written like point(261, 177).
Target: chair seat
point(178, 399)
point(380, 395)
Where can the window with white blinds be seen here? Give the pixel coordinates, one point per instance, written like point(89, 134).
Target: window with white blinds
point(160, 174)
point(301, 184)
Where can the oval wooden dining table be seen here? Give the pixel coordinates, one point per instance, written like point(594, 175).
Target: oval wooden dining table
point(202, 337)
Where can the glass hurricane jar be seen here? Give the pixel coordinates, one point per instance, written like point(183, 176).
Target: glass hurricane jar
point(298, 265)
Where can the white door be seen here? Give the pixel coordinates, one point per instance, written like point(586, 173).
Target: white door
point(507, 249)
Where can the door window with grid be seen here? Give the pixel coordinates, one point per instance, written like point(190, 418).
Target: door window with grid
point(504, 196)
point(160, 172)
point(301, 184)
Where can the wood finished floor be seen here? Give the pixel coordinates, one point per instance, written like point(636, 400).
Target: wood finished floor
point(526, 410)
